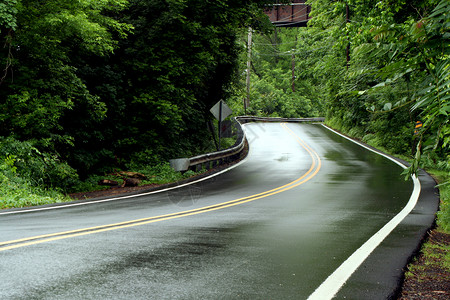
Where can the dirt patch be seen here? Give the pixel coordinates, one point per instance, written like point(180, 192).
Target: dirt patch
point(118, 191)
point(426, 277)
point(114, 191)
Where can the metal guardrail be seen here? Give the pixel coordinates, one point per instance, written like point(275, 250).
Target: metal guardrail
point(211, 160)
point(214, 159)
point(247, 119)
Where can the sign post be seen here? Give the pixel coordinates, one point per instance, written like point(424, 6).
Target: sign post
point(220, 111)
point(418, 127)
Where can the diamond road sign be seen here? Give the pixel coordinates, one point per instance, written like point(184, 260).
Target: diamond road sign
point(221, 110)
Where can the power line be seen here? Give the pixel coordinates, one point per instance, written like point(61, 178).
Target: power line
point(289, 53)
point(293, 15)
point(286, 43)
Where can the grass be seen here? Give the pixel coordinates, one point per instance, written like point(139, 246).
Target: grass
point(438, 254)
point(443, 220)
point(16, 192)
point(433, 263)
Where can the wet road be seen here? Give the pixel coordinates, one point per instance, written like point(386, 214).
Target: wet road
point(274, 227)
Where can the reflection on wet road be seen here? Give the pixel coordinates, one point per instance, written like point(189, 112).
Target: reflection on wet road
point(274, 227)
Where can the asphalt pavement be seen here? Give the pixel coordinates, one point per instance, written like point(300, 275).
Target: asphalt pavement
point(279, 225)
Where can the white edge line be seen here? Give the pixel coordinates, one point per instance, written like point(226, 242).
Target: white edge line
point(331, 286)
point(124, 197)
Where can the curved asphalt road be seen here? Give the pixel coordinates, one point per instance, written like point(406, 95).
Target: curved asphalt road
point(274, 227)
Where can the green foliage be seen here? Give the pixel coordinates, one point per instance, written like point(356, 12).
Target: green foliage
point(68, 23)
point(444, 212)
point(417, 52)
point(398, 72)
point(19, 173)
point(275, 90)
point(42, 96)
point(163, 79)
point(89, 86)
point(19, 193)
point(8, 13)
point(163, 173)
point(39, 169)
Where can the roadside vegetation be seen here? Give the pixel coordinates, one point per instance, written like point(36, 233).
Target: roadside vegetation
point(90, 88)
point(373, 72)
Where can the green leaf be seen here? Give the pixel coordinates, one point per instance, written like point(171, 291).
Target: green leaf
point(387, 106)
point(445, 110)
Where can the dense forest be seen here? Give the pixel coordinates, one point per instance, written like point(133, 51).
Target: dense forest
point(88, 87)
point(373, 68)
point(91, 86)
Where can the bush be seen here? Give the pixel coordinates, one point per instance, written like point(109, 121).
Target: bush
point(39, 169)
point(443, 214)
point(16, 191)
point(163, 173)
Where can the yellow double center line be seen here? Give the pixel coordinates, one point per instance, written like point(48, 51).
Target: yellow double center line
point(313, 170)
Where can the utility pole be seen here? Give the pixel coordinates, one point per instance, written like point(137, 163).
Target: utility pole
point(249, 65)
point(293, 71)
point(347, 11)
point(293, 63)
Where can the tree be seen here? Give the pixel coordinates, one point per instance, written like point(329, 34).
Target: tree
point(113, 83)
point(178, 63)
point(398, 70)
point(40, 86)
point(420, 52)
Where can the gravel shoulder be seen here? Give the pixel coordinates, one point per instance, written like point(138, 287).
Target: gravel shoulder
point(427, 277)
